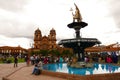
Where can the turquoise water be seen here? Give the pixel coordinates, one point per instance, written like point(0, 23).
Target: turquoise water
point(97, 69)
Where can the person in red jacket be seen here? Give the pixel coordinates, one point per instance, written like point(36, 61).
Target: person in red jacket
point(109, 59)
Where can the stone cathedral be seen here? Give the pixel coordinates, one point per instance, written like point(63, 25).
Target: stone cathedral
point(45, 42)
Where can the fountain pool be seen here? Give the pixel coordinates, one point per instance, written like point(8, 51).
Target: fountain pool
point(96, 69)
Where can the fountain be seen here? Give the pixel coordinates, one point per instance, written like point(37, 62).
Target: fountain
point(78, 44)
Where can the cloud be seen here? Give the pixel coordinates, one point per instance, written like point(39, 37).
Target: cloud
point(8, 41)
point(20, 18)
point(12, 5)
point(14, 28)
point(114, 8)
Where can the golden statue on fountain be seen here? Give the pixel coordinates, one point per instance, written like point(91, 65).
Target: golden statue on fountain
point(77, 16)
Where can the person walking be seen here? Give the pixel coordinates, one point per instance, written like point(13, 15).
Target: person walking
point(15, 61)
point(27, 60)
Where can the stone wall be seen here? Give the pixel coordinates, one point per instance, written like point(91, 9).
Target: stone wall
point(111, 76)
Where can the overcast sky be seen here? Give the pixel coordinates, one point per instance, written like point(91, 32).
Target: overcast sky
point(20, 18)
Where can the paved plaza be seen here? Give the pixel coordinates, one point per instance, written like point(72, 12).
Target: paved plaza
point(22, 72)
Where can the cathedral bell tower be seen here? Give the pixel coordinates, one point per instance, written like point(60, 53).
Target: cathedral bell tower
point(37, 39)
point(52, 38)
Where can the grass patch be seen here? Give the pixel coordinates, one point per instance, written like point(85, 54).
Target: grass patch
point(11, 60)
point(21, 60)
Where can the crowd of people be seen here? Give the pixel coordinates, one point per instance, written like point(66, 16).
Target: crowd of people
point(107, 58)
point(35, 59)
point(38, 61)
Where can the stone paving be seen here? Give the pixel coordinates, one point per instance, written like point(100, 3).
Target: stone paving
point(22, 72)
point(6, 69)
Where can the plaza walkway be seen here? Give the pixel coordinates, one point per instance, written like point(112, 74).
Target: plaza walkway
point(6, 69)
point(22, 72)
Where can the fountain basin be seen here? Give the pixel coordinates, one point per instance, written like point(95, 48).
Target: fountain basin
point(96, 69)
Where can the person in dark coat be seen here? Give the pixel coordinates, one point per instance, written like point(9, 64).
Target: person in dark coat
point(15, 61)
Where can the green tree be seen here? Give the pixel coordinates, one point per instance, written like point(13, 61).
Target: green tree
point(44, 52)
point(54, 52)
point(35, 52)
point(67, 53)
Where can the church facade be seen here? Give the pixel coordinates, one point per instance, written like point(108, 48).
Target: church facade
point(45, 42)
